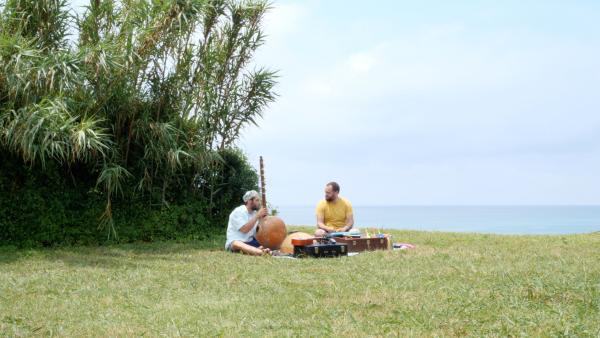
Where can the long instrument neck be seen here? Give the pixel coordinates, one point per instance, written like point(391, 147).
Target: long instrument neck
point(262, 183)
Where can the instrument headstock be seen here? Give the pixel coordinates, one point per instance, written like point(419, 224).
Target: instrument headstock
point(262, 184)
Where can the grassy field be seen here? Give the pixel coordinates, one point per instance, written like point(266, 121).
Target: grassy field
point(450, 285)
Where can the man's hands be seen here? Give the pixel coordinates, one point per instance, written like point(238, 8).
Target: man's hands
point(332, 229)
point(261, 213)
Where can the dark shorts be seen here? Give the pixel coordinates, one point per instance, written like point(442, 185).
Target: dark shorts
point(252, 242)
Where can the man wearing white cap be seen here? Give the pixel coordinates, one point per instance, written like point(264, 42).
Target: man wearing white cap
point(242, 226)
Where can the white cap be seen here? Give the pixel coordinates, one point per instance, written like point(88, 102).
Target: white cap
point(250, 195)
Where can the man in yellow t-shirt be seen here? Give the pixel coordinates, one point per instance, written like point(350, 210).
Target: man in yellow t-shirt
point(334, 213)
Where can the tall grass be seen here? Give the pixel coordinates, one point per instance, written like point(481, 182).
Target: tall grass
point(152, 87)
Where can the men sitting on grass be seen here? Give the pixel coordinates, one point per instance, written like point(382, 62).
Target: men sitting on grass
point(334, 213)
point(241, 228)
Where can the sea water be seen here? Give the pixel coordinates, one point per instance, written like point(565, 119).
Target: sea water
point(484, 219)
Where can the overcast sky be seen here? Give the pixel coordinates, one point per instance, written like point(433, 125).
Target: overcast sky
point(432, 102)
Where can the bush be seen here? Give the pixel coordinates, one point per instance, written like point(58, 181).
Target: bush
point(61, 206)
point(233, 177)
point(95, 129)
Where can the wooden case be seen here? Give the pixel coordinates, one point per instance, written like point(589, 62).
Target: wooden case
point(365, 244)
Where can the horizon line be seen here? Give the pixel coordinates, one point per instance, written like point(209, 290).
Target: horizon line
point(450, 205)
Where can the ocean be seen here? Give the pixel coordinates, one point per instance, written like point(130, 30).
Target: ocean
point(482, 219)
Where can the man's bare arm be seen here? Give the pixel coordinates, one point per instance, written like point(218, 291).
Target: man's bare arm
point(349, 222)
point(321, 224)
point(248, 226)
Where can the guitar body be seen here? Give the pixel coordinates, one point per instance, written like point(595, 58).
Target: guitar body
point(271, 232)
point(271, 229)
point(288, 243)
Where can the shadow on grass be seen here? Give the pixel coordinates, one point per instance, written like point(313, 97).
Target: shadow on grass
point(113, 255)
point(134, 254)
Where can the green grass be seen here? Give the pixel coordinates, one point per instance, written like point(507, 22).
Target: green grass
point(451, 285)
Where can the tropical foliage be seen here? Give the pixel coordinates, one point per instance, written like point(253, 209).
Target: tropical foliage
point(142, 96)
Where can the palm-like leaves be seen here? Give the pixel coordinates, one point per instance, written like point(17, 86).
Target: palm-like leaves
point(145, 90)
point(47, 131)
point(45, 22)
point(111, 179)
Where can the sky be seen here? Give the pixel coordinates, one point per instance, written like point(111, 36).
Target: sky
point(432, 102)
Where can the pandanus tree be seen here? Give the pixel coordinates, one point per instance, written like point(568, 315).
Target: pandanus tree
point(139, 92)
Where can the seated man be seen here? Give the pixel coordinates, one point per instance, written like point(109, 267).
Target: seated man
point(242, 226)
point(334, 213)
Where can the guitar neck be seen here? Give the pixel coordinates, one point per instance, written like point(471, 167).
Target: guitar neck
point(262, 183)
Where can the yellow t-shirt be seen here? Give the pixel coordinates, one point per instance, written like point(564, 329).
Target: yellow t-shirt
point(334, 213)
